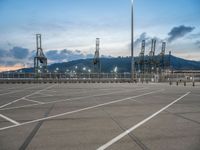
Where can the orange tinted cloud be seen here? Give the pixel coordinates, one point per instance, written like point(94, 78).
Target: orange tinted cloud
point(10, 68)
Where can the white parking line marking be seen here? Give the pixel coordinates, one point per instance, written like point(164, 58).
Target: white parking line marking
point(114, 140)
point(32, 101)
point(10, 92)
point(137, 101)
point(13, 88)
point(83, 109)
point(48, 95)
point(70, 99)
point(45, 94)
point(2, 106)
point(10, 120)
point(15, 91)
point(51, 91)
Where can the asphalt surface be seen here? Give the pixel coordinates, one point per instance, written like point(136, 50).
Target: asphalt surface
point(90, 116)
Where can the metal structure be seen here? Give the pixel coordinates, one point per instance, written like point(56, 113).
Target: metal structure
point(169, 64)
point(132, 42)
point(162, 55)
point(96, 60)
point(152, 60)
point(40, 61)
point(152, 66)
point(153, 48)
point(142, 58)
point(16, 77)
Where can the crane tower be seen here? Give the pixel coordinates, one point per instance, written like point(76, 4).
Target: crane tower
point(96, 61)
point(141, 58)
point(40, 61)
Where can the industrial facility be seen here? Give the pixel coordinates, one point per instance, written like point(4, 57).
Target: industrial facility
point(144, 67)
point(144, 64)
point(147, 67)
point(152, 64)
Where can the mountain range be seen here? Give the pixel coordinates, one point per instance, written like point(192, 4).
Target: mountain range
point(119, 64)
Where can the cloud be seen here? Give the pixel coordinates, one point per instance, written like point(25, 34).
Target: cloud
point(178, 32)
point(15, 52)
point(10, 68)
point(19, 52)
point(142, 36)
point(3, 53)
point(147, 39)
point(66, 55)
point(197, 43)
point(13, 56)
point(16, 56)
point(194, 36)
point(21, 56)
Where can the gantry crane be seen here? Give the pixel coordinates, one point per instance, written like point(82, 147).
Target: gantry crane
point(141, 58)
point(96, 60)
point(40, 61)
point(151, 60)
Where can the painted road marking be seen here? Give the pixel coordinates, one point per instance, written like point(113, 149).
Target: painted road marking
point(10, 120)
point(48, 95)
point(32, 101)
point(82, 109)
point(15, 90)
point(10, 92)
point(114, 140)
point(70, 99)
point(2, 106)
point(42, 95)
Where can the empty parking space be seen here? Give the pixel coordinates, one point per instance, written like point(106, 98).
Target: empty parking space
point(89, 116)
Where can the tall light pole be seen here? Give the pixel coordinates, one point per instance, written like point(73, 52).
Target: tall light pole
point(132, 42)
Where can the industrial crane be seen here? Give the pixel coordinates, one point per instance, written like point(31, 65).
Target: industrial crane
point(152, 61)
point(40, 61)
point(96, 60)
point(141, 58)
point(162, 55)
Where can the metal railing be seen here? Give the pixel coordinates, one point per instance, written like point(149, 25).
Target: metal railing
point(65, 76)
point(166, 77)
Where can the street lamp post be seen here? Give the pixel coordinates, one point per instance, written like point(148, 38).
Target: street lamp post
point(132, 42)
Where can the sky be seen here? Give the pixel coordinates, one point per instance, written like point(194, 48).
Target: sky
point(69, 28)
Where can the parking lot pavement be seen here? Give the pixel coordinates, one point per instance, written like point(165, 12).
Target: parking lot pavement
point(100, 116)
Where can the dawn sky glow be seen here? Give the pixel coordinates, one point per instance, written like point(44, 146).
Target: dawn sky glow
point(73, 25)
